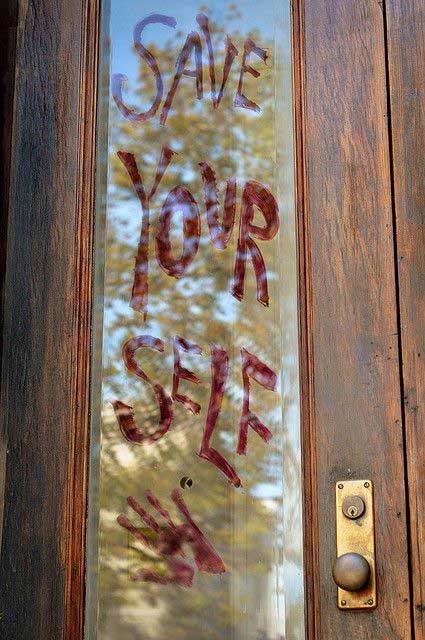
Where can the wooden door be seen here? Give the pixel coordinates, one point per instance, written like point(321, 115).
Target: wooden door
point(356, 314)
point(358, 95)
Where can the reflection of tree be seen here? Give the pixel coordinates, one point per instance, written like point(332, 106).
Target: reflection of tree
point(243, 525)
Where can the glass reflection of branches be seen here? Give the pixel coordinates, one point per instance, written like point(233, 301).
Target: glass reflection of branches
point(245, 525)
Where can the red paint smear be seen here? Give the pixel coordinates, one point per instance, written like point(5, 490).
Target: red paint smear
point(169, 543)
point(219, 373)
point(220, 233)
point(180, 373)
point(144, 515)
point(125, 413)
point(253, 368)
point(256, 194)
point(193, 41)
point(231, 53)
point(206, 557)
point(118, 79)
point(241, 100)
point(179, 572)
point(155, 503)
point(139, 295)
point(179, 199)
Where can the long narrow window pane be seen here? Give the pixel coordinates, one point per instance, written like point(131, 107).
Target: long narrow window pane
point(195, 527)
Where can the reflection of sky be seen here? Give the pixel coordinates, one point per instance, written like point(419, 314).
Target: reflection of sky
point(251, 14)
point(124, 16)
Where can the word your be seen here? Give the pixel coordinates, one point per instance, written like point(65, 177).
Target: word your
point(181, 199)
point(252, 368)
point(193, 44)
point(168, 543)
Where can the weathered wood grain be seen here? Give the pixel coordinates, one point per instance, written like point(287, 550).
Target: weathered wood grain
point(47, 322)
point(406, 63)
point(8, 23)
point(356, 407)
point(348, 313)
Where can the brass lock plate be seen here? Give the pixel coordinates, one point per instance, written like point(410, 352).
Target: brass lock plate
point(355, 533)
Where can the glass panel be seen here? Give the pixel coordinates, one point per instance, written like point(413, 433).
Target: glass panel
point(195, 525)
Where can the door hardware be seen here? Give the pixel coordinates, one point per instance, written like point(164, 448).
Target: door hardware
point(351, 572)
point(353, 507)
point(354, 570)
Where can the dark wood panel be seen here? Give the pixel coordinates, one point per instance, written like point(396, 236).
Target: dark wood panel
point(46, 322)
point(356, 408)
point(406, 58)
point(8, 23)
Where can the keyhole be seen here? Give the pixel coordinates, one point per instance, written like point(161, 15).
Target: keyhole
point(353, 507)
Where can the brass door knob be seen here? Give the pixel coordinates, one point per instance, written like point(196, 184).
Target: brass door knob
point(351, 572)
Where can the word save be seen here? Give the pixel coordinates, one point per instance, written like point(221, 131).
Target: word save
point(193, 45)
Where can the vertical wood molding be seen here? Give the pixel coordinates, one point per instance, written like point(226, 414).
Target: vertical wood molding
point(355, 386)
point(8, 25)
point(406, 60)
point(47, 321)
point(79, 446)
point(311, 546)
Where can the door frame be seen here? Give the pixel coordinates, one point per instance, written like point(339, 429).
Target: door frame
point(8, 25)
point(47, 316)
point(47, 306)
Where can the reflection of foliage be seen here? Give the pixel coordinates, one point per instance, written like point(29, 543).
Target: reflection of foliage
point(243, 525)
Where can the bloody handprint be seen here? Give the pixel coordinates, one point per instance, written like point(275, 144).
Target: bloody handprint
point(167, 542)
